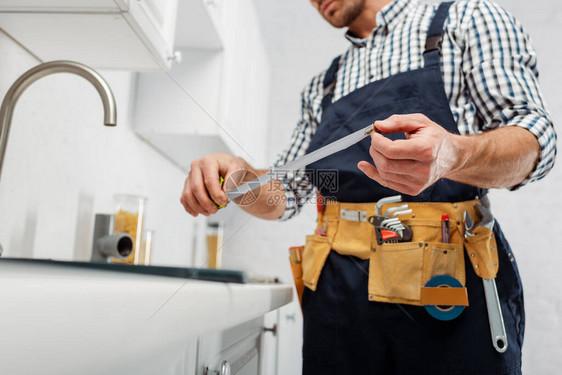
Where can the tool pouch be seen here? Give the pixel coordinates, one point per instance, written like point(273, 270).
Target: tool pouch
point(399, 271)
point(316, 250)
point(295, 260)
point(482, 251)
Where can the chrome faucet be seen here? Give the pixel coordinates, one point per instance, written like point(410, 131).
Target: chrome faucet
point(42, 70)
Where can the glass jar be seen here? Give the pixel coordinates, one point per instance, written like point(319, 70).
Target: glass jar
point(214, 244)
point(129, 218)
point(145, 255)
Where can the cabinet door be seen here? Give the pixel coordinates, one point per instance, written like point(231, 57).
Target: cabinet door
point(160, 12)
point(104, 34)
point(239, 346)
point(269, 344)
point(201, 24)
point(157, 19)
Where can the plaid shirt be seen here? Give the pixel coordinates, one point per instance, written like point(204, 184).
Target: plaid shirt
point(489, 71)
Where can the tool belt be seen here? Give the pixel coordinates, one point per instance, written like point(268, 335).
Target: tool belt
point(398, 272)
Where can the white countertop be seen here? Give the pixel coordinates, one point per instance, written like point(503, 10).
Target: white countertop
point(59, 320)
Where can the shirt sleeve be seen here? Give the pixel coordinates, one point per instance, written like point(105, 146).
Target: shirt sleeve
point(500, 68)
point(297, 185)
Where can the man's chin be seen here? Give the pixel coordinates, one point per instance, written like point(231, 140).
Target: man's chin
point(336, 22)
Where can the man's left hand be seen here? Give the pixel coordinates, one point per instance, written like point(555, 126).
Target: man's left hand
point(413, 164)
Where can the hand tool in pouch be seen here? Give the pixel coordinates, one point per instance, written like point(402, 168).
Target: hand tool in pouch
point(444, 312)
point(497, 327)
point(443, 296)
point(321, 153)
point(388, 227)
point(445, 229)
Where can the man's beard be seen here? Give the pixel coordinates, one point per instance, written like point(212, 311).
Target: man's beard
point(348, 13)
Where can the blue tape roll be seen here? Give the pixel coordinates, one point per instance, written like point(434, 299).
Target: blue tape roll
point(437, 312)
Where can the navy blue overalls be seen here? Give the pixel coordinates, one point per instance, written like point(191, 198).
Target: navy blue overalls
point(346, 334)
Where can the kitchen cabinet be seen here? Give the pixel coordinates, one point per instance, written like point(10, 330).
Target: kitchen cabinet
point(200, 24)
point(65, 319)
point(215, 100)
point(238, 348)
point(104, 34)
point(178, 112)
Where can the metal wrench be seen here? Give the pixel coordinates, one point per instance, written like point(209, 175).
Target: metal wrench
point(400, 213)
point(497, 327)
point(392, 210)
point(495, 317)
point(388, 228)
point(383, 201)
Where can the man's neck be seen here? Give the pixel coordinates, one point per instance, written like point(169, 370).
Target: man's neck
point(362, 26)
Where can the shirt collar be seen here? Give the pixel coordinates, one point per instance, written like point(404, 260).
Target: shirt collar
point(388, 17)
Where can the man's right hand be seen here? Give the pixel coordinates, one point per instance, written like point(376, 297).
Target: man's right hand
point(202, 185)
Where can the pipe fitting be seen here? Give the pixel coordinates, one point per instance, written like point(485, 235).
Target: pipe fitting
point(118, 245)
point(106, 244)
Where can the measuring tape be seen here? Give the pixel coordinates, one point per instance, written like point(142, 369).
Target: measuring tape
point(321, 153)
point(444, 312)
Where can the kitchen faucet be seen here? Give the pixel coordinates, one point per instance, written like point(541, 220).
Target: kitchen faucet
point(42, 70)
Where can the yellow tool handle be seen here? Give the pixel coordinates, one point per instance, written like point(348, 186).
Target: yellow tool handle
point(221, 180)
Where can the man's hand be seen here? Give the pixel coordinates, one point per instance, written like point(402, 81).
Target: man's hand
point(413, 164)
point(499, 158)
point(202, 185)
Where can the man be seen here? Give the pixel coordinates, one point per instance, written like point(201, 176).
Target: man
point(453, 94)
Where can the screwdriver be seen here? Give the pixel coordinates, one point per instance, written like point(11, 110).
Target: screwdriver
point(445, 229)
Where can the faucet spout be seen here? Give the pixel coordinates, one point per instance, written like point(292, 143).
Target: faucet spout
point(42, 70)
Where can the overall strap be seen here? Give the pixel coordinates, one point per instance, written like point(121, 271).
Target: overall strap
point(435, 35)
point(329, 83)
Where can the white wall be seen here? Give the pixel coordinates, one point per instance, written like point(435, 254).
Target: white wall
point(531, 216)
point(62, 166)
